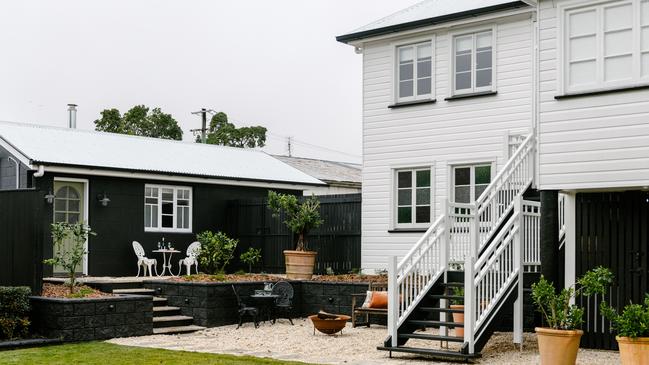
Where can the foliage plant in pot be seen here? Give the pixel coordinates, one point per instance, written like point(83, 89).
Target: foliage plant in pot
point(300, 218)
point(559, 342)
point(458, 304)
point(632, 327)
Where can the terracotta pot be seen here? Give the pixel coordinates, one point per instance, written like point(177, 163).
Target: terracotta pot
point(558, 347)
point(329, 326)
point(458, 318)
point(633, 351)
point(299, 264)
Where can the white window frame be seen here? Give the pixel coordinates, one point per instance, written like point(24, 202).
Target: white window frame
point(175, 189)
point(394, 206)
point(472, 165)
point(494, 47)
point(563, 11)
point(414, 43)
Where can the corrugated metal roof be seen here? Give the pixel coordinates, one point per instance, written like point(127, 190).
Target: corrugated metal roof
point(64, 146)
point(327, 171)
point(427, 9)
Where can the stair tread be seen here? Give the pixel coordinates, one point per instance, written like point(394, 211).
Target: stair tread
point(159, 299)
point(177, 329)
point(423, 336)
point(164, 308)
point(446, 296)
point(426, 322)
point(133, 291)
point(172, 318)
point(453, 284)
point(436, 309)
point(431, 352)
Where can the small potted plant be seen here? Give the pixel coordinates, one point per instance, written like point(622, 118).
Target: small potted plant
point(458, 317)
point(559, 342)
point(632, 327)
point(300, 219)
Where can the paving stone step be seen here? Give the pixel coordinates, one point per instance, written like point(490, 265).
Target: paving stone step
point(165, 310)
point(138, 291)
point(176, 329)
point(436, 354)
point(172, 321)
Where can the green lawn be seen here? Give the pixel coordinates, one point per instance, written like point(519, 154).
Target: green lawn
point(103, 353)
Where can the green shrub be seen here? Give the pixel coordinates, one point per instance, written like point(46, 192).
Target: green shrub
point(69, 247)
point(14, 308)
point(251, 257)
point(556, 308)
point(217, 249)
point(634, 320)
point(459, 292)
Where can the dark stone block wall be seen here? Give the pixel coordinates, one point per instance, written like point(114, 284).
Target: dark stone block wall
point(92, 319)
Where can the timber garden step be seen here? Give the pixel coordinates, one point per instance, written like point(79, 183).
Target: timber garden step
point(446, 296)
point(172, 321)
point(177, 329)
point(427, 323)
point(436, 309)
point(436, 354)
point(423, 336)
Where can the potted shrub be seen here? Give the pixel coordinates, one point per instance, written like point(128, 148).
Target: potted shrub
point(559, 342)
point(458, 304)
point(300, 219)
point(632, 327)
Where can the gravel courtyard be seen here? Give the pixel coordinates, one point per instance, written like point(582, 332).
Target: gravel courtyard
point(356, 346)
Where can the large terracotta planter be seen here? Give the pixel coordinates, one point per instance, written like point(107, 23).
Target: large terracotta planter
point(329, 326)
point(633, 351)
point(558, 347)
point(458, 318)
point(299, 264)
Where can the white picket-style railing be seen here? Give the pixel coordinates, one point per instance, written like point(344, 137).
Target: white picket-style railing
point(459, 236)
point(531, 236)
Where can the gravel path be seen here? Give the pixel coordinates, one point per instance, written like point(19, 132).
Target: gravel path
point(356, 346)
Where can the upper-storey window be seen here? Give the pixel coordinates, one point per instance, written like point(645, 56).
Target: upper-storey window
point(473, 57)
point(606, 45)
point(414, 71)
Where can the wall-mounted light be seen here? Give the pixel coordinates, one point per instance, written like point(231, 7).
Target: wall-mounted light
point(49, 197)
point(103, 199)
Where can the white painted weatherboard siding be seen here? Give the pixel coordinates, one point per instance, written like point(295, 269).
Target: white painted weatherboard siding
point(588, 142)
point(438, 135)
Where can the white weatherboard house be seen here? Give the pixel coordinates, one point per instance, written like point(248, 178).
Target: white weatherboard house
point(501, 138)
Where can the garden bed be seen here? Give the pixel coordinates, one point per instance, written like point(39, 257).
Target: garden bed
point(239, 278)
point(80, 291)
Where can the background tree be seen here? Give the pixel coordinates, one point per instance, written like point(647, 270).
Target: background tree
point(138, 121)
point(225, 133)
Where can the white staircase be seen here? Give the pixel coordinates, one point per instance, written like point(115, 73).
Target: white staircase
point(493, 239)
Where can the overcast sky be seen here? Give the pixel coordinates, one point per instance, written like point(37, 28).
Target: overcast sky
point(273, 63)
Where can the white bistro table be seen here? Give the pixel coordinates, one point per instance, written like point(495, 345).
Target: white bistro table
point(166, 262)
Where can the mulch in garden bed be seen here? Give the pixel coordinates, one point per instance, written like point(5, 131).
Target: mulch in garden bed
point(345, 278)
point(63, 291)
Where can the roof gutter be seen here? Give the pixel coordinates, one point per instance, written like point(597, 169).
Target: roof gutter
point(347, 38)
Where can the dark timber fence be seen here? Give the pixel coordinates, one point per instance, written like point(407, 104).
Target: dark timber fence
point(21, 238)
point(612, 230)
point(337, 241)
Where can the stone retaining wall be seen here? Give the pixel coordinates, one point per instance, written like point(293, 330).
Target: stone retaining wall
point(92, 318)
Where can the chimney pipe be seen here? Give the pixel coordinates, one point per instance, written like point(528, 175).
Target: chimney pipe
point(72, 112)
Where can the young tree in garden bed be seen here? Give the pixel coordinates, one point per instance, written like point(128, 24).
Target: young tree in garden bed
point(251, 257)
point(217, 249)
point(69, 247)
point(300, 217)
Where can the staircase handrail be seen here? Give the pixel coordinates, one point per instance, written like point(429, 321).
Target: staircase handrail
point(423, 239)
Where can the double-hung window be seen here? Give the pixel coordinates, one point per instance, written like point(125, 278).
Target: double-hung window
point(413, 198)
point(606, 45)
point(473, 57)
point(414, 72)
point(167, 208)
point(470, 181)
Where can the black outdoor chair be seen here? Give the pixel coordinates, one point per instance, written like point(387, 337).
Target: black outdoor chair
point(245, 310)
point(284, 301)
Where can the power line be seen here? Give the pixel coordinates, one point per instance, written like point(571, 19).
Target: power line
point(313, 146)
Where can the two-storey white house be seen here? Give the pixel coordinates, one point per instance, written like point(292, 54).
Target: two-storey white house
point(503, 137)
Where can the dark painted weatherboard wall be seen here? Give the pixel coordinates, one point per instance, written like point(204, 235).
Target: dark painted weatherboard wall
point(110, 252)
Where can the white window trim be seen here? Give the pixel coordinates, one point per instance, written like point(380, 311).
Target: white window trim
point(451, 66)
point(175, 213)
point(562, 79)
point(395, 69)
point(394, 197)
point(451, 174)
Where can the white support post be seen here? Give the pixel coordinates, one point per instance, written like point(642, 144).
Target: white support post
point(393, 300)
point(570, 245)
point(443, 261)
point(469, 287)
point(518, 262)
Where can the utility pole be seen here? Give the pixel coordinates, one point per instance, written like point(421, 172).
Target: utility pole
point(290, 147)
point(203, 129)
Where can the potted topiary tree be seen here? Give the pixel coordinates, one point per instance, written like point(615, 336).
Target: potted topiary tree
point(300, 219)
point(632, 327)
point(559, 342)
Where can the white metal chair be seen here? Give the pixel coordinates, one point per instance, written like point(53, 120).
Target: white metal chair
point(143, 261)
point(192, 258)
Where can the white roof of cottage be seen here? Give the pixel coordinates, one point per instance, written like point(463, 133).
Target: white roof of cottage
point(82, 148)
point(427, 9)
point(327, 171)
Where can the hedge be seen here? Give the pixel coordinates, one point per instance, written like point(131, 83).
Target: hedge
point(14, 308)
